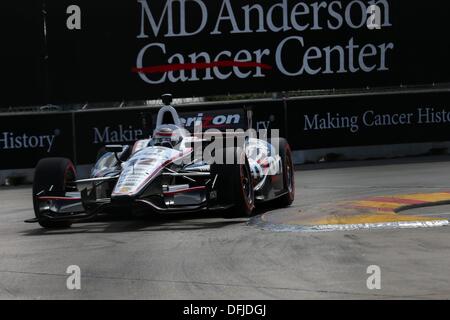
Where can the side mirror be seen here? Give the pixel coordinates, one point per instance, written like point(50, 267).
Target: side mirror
point(113, 148)
point(116, 148)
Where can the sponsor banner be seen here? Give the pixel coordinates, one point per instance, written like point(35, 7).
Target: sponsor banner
point(266, 115)
point(25, 139)
point(95, 129)
point(119, 50)
point(269, 115)
point(307, 123)
point(22, 55)
point(222, 119)
point(327, 122)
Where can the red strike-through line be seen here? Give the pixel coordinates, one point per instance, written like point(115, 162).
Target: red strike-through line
point(206, 65)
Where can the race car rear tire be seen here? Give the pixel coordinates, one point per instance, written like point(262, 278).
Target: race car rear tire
point(54, 177)
point(235, 184)
point(288, 174)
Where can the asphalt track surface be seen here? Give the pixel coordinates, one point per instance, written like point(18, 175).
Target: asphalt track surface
point(208, 257)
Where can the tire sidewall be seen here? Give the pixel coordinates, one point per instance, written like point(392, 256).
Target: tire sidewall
point(230, 188)
point(248, 201)
point(51, 172)
point(287, 167)
point(288, 170)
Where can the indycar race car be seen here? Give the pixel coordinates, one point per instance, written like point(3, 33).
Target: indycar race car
point(166, 173)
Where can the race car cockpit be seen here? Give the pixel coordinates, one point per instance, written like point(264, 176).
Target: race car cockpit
point(169, 131)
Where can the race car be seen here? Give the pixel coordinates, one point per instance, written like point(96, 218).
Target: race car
point(168, 172)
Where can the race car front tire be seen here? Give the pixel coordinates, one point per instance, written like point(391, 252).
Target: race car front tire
point(234, 184)
point(52, 176)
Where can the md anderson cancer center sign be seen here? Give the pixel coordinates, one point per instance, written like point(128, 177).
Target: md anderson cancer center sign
point(288, 20)
point(107, 50)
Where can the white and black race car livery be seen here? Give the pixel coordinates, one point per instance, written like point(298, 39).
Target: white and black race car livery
point(166, 173)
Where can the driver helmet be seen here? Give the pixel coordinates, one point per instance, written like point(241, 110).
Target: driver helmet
point(167, 136)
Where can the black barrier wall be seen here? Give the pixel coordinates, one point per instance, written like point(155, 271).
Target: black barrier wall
point(25, 139)
point(308, 123)
point(102, 50)
point(368, 119)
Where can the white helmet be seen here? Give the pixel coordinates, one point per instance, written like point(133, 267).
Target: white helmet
point(167, 135)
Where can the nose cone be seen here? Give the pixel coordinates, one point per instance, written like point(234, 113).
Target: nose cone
point(142, 168)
